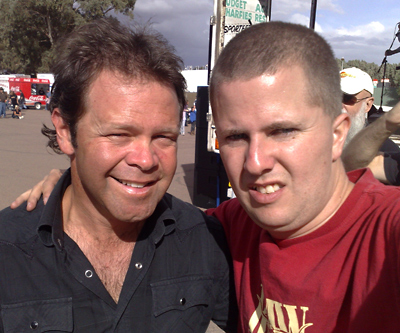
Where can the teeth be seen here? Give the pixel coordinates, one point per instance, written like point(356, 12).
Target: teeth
point(268, 189)
point(131, 184)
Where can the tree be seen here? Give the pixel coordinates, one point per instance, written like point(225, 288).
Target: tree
point(30, 28)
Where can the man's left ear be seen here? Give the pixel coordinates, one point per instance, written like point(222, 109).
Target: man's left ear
point(63, 133)
point(370, 102)
point(340, 126)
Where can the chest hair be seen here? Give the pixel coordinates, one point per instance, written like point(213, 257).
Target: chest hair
point(109, 259)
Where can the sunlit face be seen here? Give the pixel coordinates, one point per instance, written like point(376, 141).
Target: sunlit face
point(279, 152)
point(126, 147)
point(365, 101)
point(358, 113)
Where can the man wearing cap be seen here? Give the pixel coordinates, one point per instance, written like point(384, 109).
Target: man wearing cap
point(3, 99)
point(358, 89)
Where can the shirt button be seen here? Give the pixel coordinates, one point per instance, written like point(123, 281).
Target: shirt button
point(88, 273)
point(34, 325)
point(138, 265)
point(182, 301)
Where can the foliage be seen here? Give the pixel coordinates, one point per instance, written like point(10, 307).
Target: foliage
point(31, 28)
point(375, 71)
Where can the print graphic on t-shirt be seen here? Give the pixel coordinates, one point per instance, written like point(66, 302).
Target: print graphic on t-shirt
point(275, 317)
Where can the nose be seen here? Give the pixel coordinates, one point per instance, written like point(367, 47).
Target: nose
point(259, 157)
point(142, 155)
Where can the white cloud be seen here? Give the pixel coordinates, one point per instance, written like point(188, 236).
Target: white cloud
point(304, 20)
point(371, 30)
point(283, 8)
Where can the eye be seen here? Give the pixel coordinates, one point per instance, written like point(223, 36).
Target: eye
point(166, 138)
point(116, 135)
point(236, 137)
point(284, 132)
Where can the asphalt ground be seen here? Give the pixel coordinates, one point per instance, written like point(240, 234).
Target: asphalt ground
point(25, 160)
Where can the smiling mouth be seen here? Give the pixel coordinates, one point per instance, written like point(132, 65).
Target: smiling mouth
point(267, 189)
point(131, 184)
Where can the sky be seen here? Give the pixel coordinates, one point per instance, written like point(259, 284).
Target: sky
point(356, 29)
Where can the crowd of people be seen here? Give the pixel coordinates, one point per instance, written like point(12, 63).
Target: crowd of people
point(12, 101)
point(306, 246)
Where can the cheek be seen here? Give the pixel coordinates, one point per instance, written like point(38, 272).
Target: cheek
point(168, 159)
point(233, 162)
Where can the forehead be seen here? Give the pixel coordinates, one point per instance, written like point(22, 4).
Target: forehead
point(113, 88)
point(115, 101)
point(267, 91)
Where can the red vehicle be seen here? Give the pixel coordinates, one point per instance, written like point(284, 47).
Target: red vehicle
point(34, 90)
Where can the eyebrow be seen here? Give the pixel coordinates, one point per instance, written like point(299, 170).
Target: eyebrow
point(271, 127)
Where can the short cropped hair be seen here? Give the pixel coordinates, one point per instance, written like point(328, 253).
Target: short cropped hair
point(268, 47)
point(106, 44)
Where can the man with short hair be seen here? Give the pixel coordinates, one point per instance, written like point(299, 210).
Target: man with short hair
point(3, 100)
point(111, 251)
point(314, 249)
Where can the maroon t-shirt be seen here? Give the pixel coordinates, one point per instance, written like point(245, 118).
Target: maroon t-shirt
point(343, 277)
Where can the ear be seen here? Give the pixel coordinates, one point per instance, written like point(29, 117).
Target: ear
point(63, 133)
point(340, 127)
point(370, 102)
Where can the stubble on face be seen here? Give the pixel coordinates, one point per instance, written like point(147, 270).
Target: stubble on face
point(126, 156)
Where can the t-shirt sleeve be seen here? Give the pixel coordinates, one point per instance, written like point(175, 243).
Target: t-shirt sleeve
point(392, 168)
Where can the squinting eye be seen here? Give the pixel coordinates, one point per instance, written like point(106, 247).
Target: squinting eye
point(284, 131)
point(235, 137)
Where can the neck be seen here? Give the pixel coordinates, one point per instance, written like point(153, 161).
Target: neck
point(79, 222)
point(340, 190)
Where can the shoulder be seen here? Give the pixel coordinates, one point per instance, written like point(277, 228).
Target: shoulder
point(226, 211)
point(188, 216)
point(233, 217)
point(18, 225)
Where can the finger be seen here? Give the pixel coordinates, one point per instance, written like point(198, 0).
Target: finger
point(34, 195)
point(49, 182)
point(22, 198)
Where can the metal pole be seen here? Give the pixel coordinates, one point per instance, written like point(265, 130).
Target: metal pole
point(313, 13)
point(266, 5)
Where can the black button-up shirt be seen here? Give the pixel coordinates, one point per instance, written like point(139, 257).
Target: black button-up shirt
point(180, 275)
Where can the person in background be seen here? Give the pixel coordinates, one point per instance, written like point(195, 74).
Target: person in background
point(193, 120)
point(17, 114)
point(358, 89)
point(365, 149)
point(391, 52)
point(3, 101)
point(48, 96)
point(13, 99)
point(183, 122)
point(111, 251)
point(21, 100)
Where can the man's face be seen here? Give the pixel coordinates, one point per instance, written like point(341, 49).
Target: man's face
point(126, 147)
point(357, 109)
point(279, 152)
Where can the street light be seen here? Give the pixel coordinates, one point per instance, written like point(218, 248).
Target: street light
point(342, 62)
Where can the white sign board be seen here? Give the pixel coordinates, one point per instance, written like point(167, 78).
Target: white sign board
point(239, 15)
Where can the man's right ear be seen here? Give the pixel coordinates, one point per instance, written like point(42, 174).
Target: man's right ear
point(63, 133)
